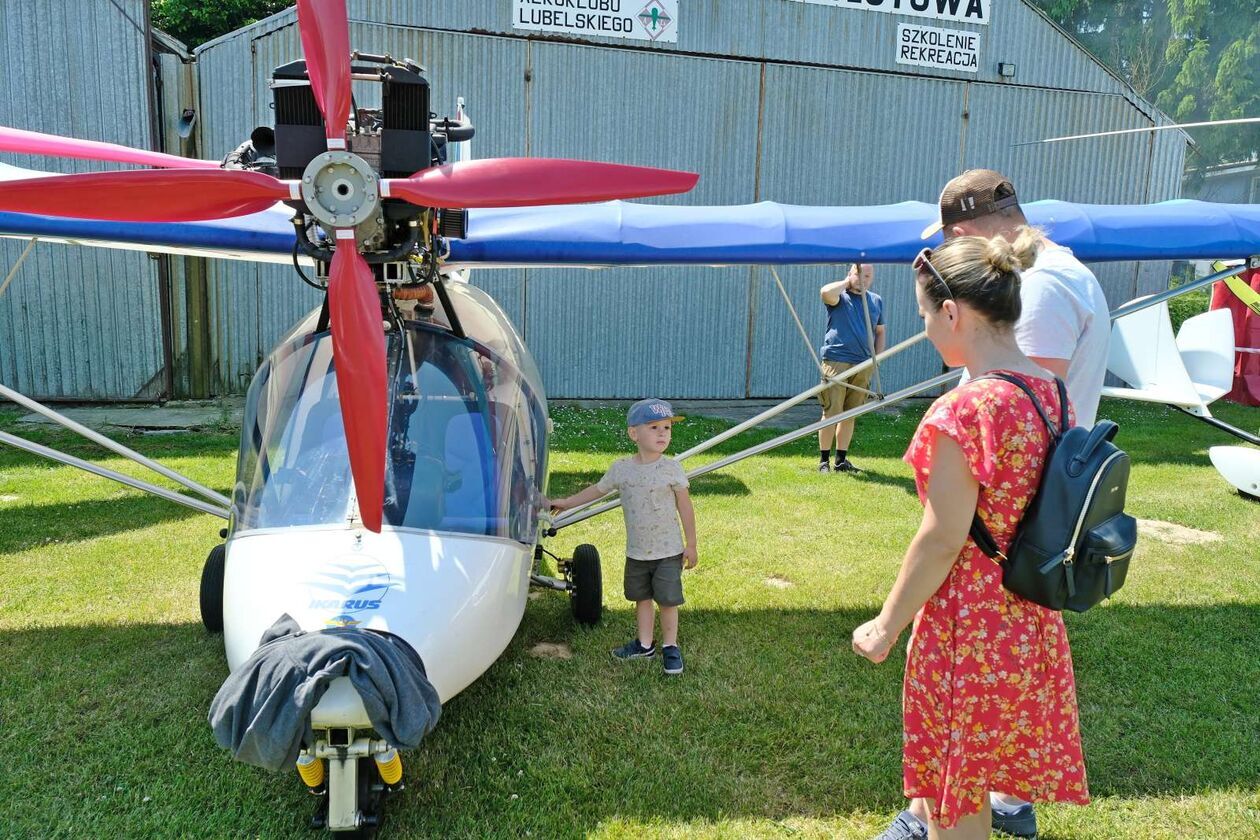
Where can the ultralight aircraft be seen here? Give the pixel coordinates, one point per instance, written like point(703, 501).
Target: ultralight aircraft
point(393, 457)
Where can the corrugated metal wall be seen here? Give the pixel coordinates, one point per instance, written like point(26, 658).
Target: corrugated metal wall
point(766, 124)
point(78, 323)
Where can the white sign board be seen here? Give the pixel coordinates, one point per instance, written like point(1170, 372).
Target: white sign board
point(640, 20)
point(948, 49)
point(959, 11)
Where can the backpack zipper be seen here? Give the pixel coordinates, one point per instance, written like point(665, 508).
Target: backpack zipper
point(1080, 520)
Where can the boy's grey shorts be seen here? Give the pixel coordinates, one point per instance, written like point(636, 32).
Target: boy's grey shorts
point(655, 580)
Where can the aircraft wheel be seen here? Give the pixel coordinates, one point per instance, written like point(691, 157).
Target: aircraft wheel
point(586, 598)
point(212, 589)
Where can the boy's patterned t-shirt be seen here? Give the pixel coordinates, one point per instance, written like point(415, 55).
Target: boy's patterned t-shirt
point(647, 497)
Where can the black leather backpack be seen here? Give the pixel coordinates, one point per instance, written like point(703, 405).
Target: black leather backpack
point(1072, 546)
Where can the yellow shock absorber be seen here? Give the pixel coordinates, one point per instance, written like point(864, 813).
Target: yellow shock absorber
point(390, 765)
point(311, 769)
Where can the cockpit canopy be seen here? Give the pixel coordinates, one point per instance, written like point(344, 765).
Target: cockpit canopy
point(467, 432)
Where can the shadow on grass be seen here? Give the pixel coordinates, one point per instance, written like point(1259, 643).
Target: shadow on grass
point(775, 718)
point(567, 482)
point(29, 526)
point(869, 476)
point(155, 446)
point(1158, 434)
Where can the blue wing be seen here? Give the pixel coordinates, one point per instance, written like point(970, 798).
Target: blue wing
point(621, 233)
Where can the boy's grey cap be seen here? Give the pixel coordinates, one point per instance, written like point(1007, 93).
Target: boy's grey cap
point(650, 410)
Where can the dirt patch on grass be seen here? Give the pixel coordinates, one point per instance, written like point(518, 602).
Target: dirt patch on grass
point(551, 650)
point(779, 582)
point(1174, 534)
point(9, 498)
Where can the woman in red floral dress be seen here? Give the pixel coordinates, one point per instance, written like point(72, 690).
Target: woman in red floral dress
point(989, 700)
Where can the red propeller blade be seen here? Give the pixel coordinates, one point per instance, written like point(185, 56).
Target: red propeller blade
point(522, 182)
point(354, 309)
point(34, 143)
point(146, 195)
point(325, 32)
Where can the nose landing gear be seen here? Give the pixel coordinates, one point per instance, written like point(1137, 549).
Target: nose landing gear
point(352, 798)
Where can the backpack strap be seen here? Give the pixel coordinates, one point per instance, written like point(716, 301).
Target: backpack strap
point(1063, 405)
point(979, 532)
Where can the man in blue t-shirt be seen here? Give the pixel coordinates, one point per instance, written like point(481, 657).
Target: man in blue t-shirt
point(850, 308)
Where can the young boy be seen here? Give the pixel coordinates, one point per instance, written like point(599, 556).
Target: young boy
point(654, 497)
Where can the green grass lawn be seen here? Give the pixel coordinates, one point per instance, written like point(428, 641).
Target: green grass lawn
point(775, 730)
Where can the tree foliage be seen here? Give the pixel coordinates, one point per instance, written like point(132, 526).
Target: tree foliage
point(196, 21)
point(1196, 59)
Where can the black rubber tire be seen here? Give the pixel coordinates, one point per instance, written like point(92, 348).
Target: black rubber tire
point(587, 596)
point(212, 589)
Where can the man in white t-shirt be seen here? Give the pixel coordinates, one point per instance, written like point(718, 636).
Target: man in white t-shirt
point(1065, 324)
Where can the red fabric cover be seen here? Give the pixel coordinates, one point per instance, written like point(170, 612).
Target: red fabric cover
point(1246, 390)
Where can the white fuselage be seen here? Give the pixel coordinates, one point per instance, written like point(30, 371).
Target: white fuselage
point(457, 599)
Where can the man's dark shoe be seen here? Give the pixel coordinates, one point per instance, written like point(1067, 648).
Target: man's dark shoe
point(1017, 821)
point(845, 466)
point(905, 827)
point(634, 650)
point(824, 467)
point(671, 658)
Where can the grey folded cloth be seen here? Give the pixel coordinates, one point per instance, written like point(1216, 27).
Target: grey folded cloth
point(262, 711)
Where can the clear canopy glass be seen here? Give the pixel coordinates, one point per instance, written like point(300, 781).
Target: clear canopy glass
point(466, 442)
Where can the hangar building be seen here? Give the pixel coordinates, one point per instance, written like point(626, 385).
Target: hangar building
point(832, 102)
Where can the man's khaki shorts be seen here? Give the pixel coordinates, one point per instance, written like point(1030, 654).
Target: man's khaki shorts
point(837, 398)
point(655, 580)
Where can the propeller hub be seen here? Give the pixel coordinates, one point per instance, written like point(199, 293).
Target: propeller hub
point(340, 190)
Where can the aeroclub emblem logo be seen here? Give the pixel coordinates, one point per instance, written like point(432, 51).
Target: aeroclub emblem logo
point(348, 589)
point(655, 19)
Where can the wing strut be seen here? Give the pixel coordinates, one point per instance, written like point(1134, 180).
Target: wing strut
point(104, 472)
point(8, 278)
point(215, 503)
point(788, 437)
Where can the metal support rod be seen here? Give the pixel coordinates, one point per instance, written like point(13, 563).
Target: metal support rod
point(919, 387)
point(569, 516)
point(870, 341)
point(943, 379)
point(1221, 424)
point(800, 398)
point(103, 472)
point(813, 354)
point(1169, 294)
point(549, 583)
point(18, 264)
point(114, 446)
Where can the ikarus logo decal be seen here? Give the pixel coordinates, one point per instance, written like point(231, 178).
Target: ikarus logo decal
point(348, 589)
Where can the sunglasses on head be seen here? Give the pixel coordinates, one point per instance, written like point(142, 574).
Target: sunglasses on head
point(923, 262)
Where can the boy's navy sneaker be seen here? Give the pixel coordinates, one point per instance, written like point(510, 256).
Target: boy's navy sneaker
point(905, 827)
point(634, 650)
point(824, 467)
point(671, 658)
point(845, 466)
point(1018, 821)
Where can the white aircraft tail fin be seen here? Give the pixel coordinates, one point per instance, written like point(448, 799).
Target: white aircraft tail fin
point(1190, 371)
